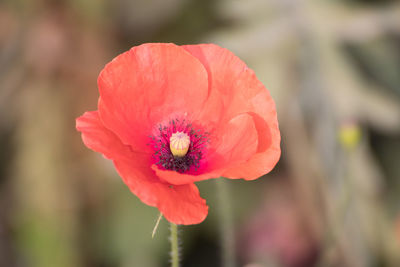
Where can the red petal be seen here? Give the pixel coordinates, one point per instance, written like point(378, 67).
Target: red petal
point(265, 160)
point(179, 204)
point(234, 143)
point(240, 91)
point(147, 85)
point(231, 87)
point(97, 137)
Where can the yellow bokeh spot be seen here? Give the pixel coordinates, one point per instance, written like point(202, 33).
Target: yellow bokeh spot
point(349, 135)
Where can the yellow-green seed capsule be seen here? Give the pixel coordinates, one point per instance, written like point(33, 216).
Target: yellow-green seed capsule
point(179, 143)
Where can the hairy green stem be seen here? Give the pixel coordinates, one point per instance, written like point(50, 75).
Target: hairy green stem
point(226, 224)
point(174, 246)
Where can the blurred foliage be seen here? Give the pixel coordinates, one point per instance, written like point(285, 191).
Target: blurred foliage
point(326, 63)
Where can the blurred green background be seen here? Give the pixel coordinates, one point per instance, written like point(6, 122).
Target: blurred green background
point(333, 68)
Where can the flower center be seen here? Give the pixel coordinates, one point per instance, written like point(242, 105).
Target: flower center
point(178, 146)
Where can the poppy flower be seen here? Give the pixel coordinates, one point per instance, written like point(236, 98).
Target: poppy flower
point(169, 116)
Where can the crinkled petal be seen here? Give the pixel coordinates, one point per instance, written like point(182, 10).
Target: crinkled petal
point(96, 137)
point(233, 144)
point(267, 155)
point(236, 89)
point(232, 84)
point(149, 85)
point(179, 204)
